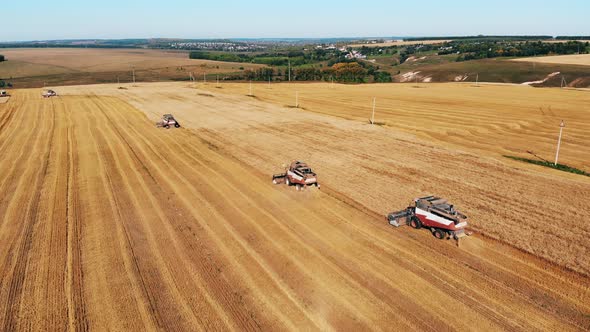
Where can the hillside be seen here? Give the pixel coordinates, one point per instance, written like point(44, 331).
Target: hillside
point(433, 68)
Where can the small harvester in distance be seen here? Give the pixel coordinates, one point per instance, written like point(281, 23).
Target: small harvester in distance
point(435, 214)
point(298, 174)
point(49, 94)
point(167, 121)
point(3, 93)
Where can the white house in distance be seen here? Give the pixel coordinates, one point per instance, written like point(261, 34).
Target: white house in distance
point(355, 55)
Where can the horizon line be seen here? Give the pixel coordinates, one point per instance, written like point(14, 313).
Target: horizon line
point(286, 38)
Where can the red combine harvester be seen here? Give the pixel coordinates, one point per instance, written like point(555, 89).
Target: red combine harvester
point(435, 214)
point(167, 121)
point(298, 174)
point(49, 94)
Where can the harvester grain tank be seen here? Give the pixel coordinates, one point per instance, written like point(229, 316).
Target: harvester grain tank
point(435, 214)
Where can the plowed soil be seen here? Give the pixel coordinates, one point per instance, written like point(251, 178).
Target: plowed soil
point(109, 223)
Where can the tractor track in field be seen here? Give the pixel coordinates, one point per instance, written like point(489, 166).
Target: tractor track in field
point(76, 307)
point(21, 260)
point(131, 227)
point(152, 177)
point(7, 117)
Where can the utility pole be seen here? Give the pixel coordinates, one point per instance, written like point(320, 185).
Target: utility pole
point(250, 88)
point(296, 99)
point(204, 77)
point(118, 81)
point(373, 115)
point(289, 70)
point(217, 81)
point(561, 126)
point(477, 80)
point(133, 75)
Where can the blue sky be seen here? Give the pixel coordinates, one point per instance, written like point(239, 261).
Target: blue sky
point(69, 19)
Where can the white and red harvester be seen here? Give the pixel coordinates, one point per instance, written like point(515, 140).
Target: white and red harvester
point(435, 214)
point(167, 121)
point(49, 94)
point(298, 174)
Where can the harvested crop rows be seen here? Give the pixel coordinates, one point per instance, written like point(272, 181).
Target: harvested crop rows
point(108, 223)
point(489, 119)
point(73, 66)
point(25, 62)
point(535, 209)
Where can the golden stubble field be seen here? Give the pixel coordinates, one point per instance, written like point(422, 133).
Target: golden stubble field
point(113, 224)
point(381, 168)
point(30, 62)
point(491, 119)
point(575, 59)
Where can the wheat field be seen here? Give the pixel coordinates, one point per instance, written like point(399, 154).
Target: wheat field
point(109, 223)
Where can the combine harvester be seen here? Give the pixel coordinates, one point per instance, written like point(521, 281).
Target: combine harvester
point(433, 213)
point(167, 121)
point(298, 174)
point(49, 94)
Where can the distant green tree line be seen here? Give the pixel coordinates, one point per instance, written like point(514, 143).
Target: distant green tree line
point(346, 72)
point(483, 50)
point(573, 38)
point(480, 37)
point(294, 57)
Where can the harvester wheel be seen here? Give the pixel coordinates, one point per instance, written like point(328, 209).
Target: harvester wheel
point(177, 126)
point(415, 223)
point(274, 181)
point(167, 126)
point(287, 182)
point(298, 187)
point(438, 234)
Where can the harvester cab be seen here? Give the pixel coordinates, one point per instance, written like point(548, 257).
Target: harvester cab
point(167, 121)
point(435, 214)
point(298, 174)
